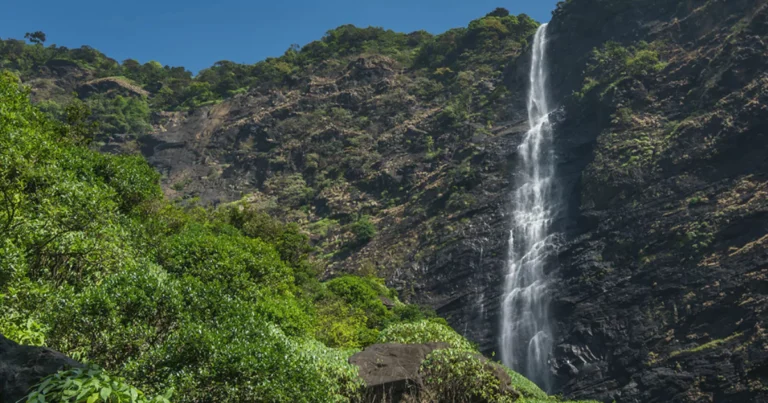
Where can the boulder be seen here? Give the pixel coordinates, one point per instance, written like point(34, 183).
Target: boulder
point(22, 367)
point(391, 371)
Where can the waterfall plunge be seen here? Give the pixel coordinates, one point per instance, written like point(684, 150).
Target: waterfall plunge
point(526, 338)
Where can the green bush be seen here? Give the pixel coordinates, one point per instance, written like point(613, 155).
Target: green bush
point(613, 62)
point(89, 385)
point(120, 114)
point(236, 261)
point(454, 375)
point(292, 244)
point(258, 358)
point(364, 294)
point(425, 331)
point(364, 230)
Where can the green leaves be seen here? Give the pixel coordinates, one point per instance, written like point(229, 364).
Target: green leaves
point(613, 63)
point(364, 230)
point(89, 385)
point(425, 331)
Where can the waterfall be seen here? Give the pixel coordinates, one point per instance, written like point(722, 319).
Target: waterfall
point(526, 338)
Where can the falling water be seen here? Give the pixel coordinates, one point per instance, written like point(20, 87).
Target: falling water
point(526, 338)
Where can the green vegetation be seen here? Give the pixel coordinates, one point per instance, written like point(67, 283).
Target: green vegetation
point(216, 304)
point(424, 331)
point(614, 63)
point(175, 88)
point(486, 41)
point(459, 375)
point(463, 47)
point(89, 386)
point(120, 114)
point(455, 375)
point(364, 230)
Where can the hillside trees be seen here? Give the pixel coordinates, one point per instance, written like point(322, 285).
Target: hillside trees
point(216, 305)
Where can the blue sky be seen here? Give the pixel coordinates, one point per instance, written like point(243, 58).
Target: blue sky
point(197, 33)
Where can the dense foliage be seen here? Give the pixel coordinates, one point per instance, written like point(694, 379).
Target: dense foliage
point(425, 331)
point(215, 304)
point(89, 386)
point(175, 87)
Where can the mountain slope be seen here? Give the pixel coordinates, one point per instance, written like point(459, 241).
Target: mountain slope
point(660, 292)
point(413, 151)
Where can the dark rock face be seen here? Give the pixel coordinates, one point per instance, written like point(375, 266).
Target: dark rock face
point(441, 221)
point(660, 291)
point(22, 367)
point(391, 371)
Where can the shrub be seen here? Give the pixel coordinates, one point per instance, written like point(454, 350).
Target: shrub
point(243, 359)
point(364, 230)
point(133, 180)
point(614, 62)
point(120, 114)
point(425, 331)
point(242, 263)
point(88, 386)
point(341, 325)
point(453, 375)
point(364, 294)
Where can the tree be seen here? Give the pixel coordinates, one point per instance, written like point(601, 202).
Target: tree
point(77, 127)
point(35, 37)
point(364, 230)
point(499, 12)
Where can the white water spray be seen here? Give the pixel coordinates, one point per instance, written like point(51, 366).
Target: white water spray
point(526, 338)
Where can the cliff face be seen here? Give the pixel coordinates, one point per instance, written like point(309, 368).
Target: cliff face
point(660, 292)
point(356, 143)
point(423, 154)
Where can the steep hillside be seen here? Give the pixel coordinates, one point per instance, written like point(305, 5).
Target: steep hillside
point(661, 289)
point(187, 304)
point(390, 150)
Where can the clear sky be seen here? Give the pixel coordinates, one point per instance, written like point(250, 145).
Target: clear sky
point(197, 33)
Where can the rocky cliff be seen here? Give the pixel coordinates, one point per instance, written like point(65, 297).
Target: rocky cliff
point(660, 290)
point(422, 150)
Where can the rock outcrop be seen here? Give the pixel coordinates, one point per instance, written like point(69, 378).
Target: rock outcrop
point(391, 371)
point(22, 367)
point(395, 373)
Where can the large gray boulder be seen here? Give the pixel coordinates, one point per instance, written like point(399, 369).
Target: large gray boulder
point(22, 367)
point(391, 371)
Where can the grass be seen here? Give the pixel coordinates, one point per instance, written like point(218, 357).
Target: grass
point(707, 346)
